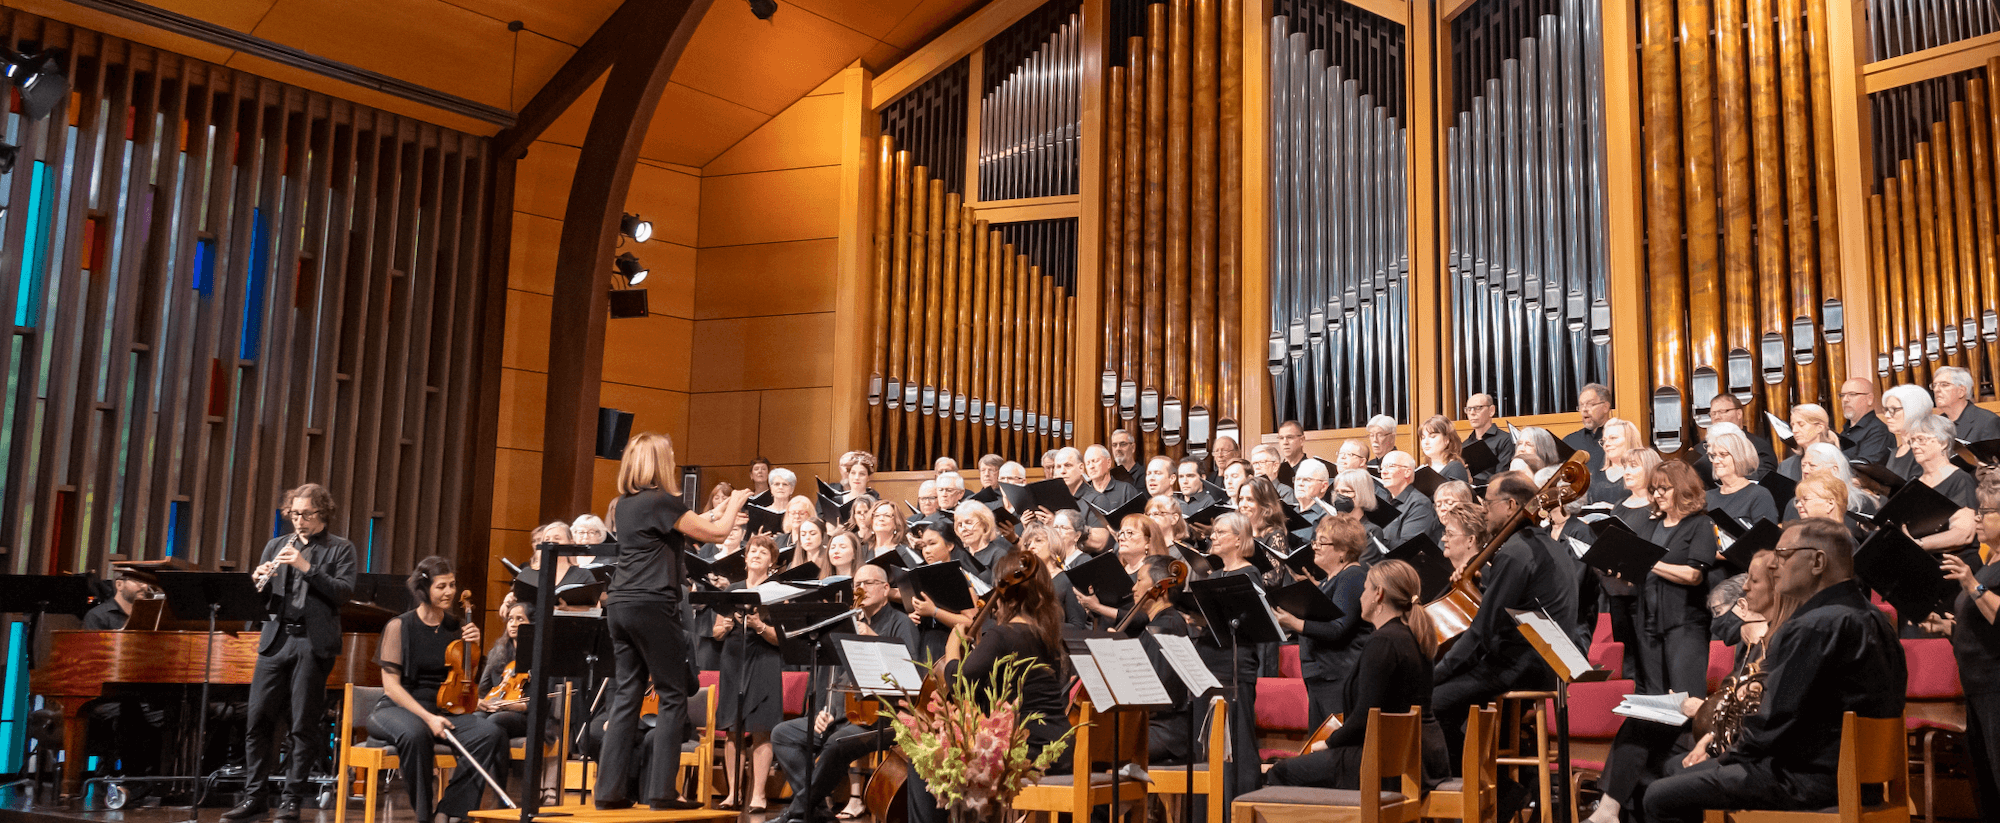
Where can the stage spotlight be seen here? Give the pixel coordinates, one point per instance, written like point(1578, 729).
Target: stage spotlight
point(763, 8)
point(636, 227)
point(631, 269)
point(40, 80)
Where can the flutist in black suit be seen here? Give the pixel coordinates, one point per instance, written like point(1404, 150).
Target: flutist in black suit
point(305, 576)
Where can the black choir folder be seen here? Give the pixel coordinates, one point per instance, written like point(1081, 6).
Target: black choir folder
point(1910, 578)
point(1305, 600)
point(1624, 554)
point(1104, 578)
point(944, 583)
point(1479, 458)
point(1919, 508)
point(1434, 570)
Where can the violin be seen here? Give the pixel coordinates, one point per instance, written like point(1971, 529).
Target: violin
point(509, 689)
point(1177, 573)
point(460, 691)
point(1453, 612)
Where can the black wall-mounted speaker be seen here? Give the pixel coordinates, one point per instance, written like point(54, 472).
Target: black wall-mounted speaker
point(614, 427)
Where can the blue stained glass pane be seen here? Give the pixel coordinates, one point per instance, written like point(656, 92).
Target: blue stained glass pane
point(14, 701)
point(34, 260)
point(368, 561)
point(176, 513)
point(281, 525)
point(253, 302)
point(204, 266)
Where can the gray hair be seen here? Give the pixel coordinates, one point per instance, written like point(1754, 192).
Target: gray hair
point(1096, 449)
point(1937, 426)
point(1831, 454)
point(539, 534)
point(1542, 442)
point(951, 480)
point(588, 521)
point(1383, 422)
point(1310, 468)
point(1265, 448)
point(1916, 401)
point(1958, 376)
point(1069, 453)
point(784, 476)
point(1730, 438)
point(1014, 465)
point(1363, 486)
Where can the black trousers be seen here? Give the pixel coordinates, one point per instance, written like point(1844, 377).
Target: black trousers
point(415, 749)
point(288, 685)
point(648, 644)
point(1982, 739)
point(1674, 659)
point(1641, 753)
point(1325, 697)
point(1452, 697)
point(813, 782)
point(1710, 784)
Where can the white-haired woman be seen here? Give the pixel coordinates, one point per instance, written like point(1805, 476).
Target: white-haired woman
point(1932, 439)
point(1810, 425)
point(1733, 458)
point(783, 484)
point(1827, 458)
point(588, 530)
point(1901, 406)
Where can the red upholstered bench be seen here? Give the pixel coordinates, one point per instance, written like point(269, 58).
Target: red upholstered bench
point(1281, 712)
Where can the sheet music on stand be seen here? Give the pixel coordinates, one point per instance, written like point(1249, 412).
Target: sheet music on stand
point(881, 666)
point(1118, 675)
point(1186, 662)
point(1556, 647)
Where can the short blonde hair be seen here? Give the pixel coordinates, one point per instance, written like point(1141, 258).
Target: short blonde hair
point(648, 464)
point(1826, 486)
point(978, 513)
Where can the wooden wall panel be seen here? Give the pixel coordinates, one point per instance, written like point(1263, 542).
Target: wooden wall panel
point(211, 319)
point(668, 197)
point(791, 425)
point(768, 207)
point(531, 265)
point(728, 425)
point(527, 332)
point(648, 351)
point(523, 394)
point(793, 139)
point(775, 352)
point(766, 279)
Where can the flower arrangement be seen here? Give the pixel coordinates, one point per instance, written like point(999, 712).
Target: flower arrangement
point(970, 748)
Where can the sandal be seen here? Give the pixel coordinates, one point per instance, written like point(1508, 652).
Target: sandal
point(852, 812)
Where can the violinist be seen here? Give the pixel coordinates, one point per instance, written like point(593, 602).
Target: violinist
point(1167, 741)
point(1027, 624)
point(841, 742)
point(1233, 665)
point(1393, 674)
point(1492, 657)
point(502, 701)
point(415, 662)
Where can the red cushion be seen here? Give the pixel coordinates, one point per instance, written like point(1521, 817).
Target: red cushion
point(1721, 662)
point(708, 678)
point(1933, 670)
point(1268, 755)
point(795, 693)
point(1282, 707)
point(1288, 661)
point(1602, 634)
point(1608, 655)
point(1590, 706)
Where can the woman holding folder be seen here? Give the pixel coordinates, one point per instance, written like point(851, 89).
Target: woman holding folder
point(1236, 664)
point(750, 652)
point(1673, 600)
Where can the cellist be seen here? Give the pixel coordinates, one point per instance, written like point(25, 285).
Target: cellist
point(1493, 657)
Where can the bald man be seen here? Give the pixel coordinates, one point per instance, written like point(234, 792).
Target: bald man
point(1419, 516)
point(1835, 654)
point(1479, 410)
point(1871, 438)
point(1102, 491)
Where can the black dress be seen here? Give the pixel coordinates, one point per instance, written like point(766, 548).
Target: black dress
point(415, 652)
point(1975, 643)
point(761, 687)
point(1748, 504)
point(1673, 618)
point(1394, 676)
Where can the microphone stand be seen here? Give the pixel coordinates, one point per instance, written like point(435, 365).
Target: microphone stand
point(1235, 688)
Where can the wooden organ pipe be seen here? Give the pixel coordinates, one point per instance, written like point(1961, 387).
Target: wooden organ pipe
point(1913, 276)
point(1704, 288)
point(1229, 212)
point(1175, 337)
point(885, 226)
point(1202, 237)
point(946, 301)
point(1878, 263)
point(899, 307)
point(1979, 132)
point(1131, 327)
point(1152, 362)
point(1801, 252)
point(1925, 206)
point(1826, 199)
point(923, 254)
point(1664, 263)
point(1898, 338)
point(1965, 314)
point(1739, 261)
point(1114, 245)
point(1766, 120)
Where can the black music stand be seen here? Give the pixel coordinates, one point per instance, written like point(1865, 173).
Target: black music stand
point(803, 629)
point(35, 595)
point(577, 642)
point(230, 596)
point(540, 615)
point(1234, 607)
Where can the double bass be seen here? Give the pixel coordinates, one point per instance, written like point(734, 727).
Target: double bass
point(1453, 612)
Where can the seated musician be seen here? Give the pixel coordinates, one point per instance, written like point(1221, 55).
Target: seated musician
point(841, 742)
point(1835, 654)
point(1027, 624)
point(502, 701)
point(1642, 752)
point(1167, 741)
point(129, 588)
point(414, 663)
point(1394, 675)
point(124, 728)
point(1492, 657)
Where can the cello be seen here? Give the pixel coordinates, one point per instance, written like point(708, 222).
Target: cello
point(1453, 612)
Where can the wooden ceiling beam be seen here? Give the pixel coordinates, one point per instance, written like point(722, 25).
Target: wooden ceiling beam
point(641, 64)
point(583, 68)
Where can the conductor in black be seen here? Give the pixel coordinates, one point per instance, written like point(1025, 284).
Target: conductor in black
point(643, 613)
point(305, 576)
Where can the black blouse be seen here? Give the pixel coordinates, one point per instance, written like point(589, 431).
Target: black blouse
point(1667, 604)
point(650, 546)
point(1748, 504)
point(1041, 694)
point(419, 661)
point(1394, 676)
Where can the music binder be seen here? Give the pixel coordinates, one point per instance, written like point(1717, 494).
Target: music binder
point(1434, 570)
point(1479, 457)
point(881, 666)
point(762, 521)
point(1103, 577)
point(1305, 600)
point(1556, 648)
point(1624, 554)
point(944, 583)
point(1919, 508)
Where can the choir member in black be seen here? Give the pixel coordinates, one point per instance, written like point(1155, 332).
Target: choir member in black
point(1865, 428)
point(1173, 525)
point(1479, 410)
point(1618, 438)
point(1642, 752)
point(1394, 675)
point(887, 531)
point(1013, 474)
point(1725, 409)
point(1264, 462)
point(1291, 443)
point(1823, 494)
point(1138, 538)
point(750, 657)
point(1027, 624)
point(701, 626)
point(1258, 501)
point(1673, 599)
point(1124, 455)
point(1975, 642)
point(1901, 406)
point(567, 574)
point(934, 624)
point(1438, 441)
point(1491, 656)
point(1952, 392)
point(1236, 666)
point(979, 539)
point(1102, 491)
point(1810, 425)
point(989, 470)
point(1190, 490)
point(1828, 458)
point(414, 663)
point(1353, 454)
point(305, 577)
point(1932, 441)
point(1234, 474)
point(1593, 408)
point(1159, 476)
point(1167, 741)
point(1061, 532)
point(808, 544)
point(1328, 649)
point(1310, 486)
point(1731, 457)
point(1355, 497)
point(643, 614)
point(1621, 598)
point(843, 555)
point(950, 488)
point(1419, 514)
point(856, 468)
point(841, 743)
point(760, 475)
point(1835, 654)
point(1381, 439)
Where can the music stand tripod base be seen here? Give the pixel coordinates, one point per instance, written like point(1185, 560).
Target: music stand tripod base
point(589, 813)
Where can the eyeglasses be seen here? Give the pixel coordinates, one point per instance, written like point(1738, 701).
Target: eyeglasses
point(1476, 406)
point(1062, 526)
point(1327, 543)
point(1127, 534)
point(1786, 554)
point(1847, 394)
point(1886, 409)
point(1661, 489)
point(305, 513)
point(870, 583)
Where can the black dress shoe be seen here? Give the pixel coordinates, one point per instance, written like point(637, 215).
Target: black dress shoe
point(661, 804)
point(612, 805)
point(251, 808)
point(288, 809)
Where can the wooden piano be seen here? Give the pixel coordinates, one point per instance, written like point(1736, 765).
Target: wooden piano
point(81, 663)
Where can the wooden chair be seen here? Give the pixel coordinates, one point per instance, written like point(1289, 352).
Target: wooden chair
point(1475, 797)
point(1873, 750)
point(1518, 711)
point(558, 748)
point(372, 757)
point(1392, 749)
point(1078, 791)
point(698, 753)
point(1934, 712)
point(1208, 772)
